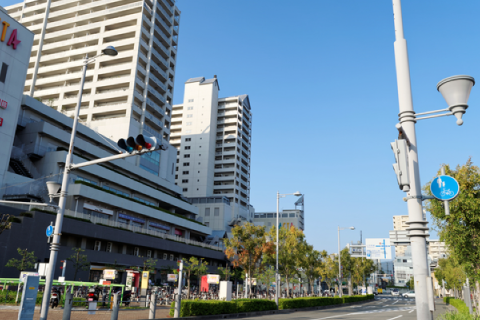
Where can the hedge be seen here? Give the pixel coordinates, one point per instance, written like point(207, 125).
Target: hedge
point(211, 307)
point(458, 304)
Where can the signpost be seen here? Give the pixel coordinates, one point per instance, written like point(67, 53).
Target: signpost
point(49, 231)
point(445, 188)
point(378, 249)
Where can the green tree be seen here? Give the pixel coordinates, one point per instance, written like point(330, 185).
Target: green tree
point(4, 222)
point(329, 268)
point(451, 272)
point(266, 277)
point(193, 267)
point(26, 262)
point(247, 246)
point(224, 273)
point(361, 268)
point(461, 229)
point(79, 260)
point(290, 250)
point(311, 264)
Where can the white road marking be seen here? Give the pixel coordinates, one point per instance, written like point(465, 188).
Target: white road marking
point(411, 311)
point(395, 301)
point(395, 317)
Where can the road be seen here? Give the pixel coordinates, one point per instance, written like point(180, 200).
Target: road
point(382, 308)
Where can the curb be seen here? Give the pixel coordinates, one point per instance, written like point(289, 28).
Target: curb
point(261, 313)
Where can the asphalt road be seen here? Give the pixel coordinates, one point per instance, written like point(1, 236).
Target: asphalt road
point(382, 308)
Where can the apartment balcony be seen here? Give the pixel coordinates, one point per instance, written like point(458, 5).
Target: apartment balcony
point(168, 7)
point(157, 82)
point(176, 127)
point(161, 59)
point(157, 110)
point(155, 94)
point(229, 178)
point(155, 122)
point(138, 95)
point(137, 109)
point(140, 82)
point(163, 36)
point(157, 69)
point(166, 15)
point(141, 69)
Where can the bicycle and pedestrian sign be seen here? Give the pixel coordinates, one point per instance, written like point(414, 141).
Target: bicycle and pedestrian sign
point(444, 188)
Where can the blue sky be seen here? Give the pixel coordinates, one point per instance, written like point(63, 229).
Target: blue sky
point(322, 84)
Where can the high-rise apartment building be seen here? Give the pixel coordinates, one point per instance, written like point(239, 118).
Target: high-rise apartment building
point(213, 138)
point(123, 96)
point(400, 223)
point(437, 250)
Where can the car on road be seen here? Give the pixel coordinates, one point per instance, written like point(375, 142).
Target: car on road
point(395, 292)
point(409, 294)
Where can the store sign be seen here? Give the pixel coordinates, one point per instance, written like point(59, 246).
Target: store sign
point(178, 232)
point(3, 104)
point(124, 216)
point(159, 226)
point(172, 277)
point(12, 39)
point(1, 122)
point(109, 274)
point(213, 278)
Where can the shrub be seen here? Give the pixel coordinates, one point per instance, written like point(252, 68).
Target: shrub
point(204, 308)
point(250, 305)
point(14, 219)
point(26, 214)
point(458, 304)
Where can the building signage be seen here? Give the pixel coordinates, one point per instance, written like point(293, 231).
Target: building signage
point(92, 207)
point(378, 249)
point(1, 122)
point(160, 226)
point(172, 277)
point(12, 39)
point(109, 274)
point(3, 104)
point(213, 278)
point(124, 216)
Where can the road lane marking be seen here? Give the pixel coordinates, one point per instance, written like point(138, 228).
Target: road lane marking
point(395, 301)
point(412, 311)
point(395, 317)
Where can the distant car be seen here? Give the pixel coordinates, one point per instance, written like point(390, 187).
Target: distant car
point(395, 292)
point(409, 294)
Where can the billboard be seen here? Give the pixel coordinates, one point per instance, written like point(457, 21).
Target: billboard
point(378, 248)
point(213, 278)
point(171, 277)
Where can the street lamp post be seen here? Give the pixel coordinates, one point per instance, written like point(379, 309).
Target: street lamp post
point(277, 276)
point(455, 91)
point(54, 247)
point(340, 293)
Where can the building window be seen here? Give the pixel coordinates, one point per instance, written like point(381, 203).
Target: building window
point(149, 253)
point(189, 123)
point(176, 176)
point(189, 108)
point(185, 172)
point(207, 224)
point(187, 147)
point(3, 72)
point(109, 247)
point(189, 115)
point(188, 139)
point(186, 164)
point(186, 155)
point(184, 180)
point(165, 256)
point(136, 251)
point(216, 212)
point(171, 257)
point(207, 212)
point(185, 189)
point(97, 246)
point(190, 100)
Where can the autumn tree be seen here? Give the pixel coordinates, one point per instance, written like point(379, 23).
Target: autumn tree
point(247, 246)
point(193, 267)
point(80, 261)
point(290, 250)
point(360, 269)
point(461, 229)
point(328, 268)
point(26, 262)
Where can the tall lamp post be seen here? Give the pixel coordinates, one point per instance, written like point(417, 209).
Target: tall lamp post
point(456, 91)
point(340, 293)
point(109, 51)
point(277, 280)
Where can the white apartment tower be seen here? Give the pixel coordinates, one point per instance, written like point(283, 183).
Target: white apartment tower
point(124, 95)
point(213, 139)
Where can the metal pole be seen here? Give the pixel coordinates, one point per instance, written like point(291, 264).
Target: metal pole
point(115, 308)
point(153, 305)
point(277, 282)
point(417, 225)
point(339, 267)
point(445, 203)
point(179, 296)
point(468, 299)
point(61, 204)
point(67, 308)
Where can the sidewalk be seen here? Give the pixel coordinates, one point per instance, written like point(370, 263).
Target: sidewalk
point(11, 313)
point(441, 308)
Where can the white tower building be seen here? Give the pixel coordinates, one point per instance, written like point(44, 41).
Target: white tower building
point(123, 96)
point(213, 139)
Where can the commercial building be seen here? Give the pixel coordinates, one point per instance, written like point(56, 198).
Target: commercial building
point(116, 211)
point(123, 96)
point(286, 219)
point(213, 139)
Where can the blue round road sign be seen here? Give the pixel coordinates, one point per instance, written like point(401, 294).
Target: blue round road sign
point(49, 231)
point(444, 188)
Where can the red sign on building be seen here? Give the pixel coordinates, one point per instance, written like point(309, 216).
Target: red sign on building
point(1, 121)
point(3, 104)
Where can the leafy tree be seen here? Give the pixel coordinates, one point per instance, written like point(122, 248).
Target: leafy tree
point(311, 264)
point(461, 229)
point(193, 267)
point(266, 277)
point(360, 269)
point(224, 273)
point(26, 262)
point(329, 268)
point(115, 266)
point(80, 261)
point(4, 222)
point(247, 246)
point(290, 250)
point(451, 272)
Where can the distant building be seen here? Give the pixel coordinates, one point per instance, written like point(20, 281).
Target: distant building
point(286, 218)
point(399, 223)
point(213, 138)
point(437, 250)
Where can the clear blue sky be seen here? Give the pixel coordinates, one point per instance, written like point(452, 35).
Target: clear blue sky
point(322, 84)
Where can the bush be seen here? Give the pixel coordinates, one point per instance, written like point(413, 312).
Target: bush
point(458, 304)
point(26, 214)
point(204, 308)
point(250, 305)
point(297, 303)
point(8, 296)
point(14, 219)
point(453, 315)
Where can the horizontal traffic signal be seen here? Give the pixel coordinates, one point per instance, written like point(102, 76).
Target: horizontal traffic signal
point(141, 142)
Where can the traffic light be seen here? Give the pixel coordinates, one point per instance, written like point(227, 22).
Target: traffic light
point(400, 150)
point(141, 142)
